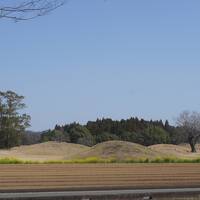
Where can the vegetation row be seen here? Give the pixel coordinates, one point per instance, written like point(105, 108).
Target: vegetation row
point(99, 160)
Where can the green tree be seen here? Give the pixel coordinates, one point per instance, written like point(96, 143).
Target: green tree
point(12, 122)
point(80, 134)
point(156, 135)
point(106, 136)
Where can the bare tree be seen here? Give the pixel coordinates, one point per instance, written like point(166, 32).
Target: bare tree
point(190, 122)
point(27, 9)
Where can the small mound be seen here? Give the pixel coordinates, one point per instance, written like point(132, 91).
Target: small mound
point(44, 151)
point(118, 149)
point(179, 151)
point(189, 148)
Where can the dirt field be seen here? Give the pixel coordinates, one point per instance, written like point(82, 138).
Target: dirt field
point(98, 176)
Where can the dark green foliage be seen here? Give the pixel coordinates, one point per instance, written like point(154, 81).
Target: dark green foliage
point(133, 130)
point(80, 134)
point(55, 135)
point(74, 133)
point(12, 122)
point(105, 136)
point(155, 135)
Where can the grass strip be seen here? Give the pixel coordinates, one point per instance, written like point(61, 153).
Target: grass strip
point(94, 160)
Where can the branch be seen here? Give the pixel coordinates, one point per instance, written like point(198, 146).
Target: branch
point(29, 9)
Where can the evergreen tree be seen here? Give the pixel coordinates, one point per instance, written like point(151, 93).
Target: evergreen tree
point(12, 122)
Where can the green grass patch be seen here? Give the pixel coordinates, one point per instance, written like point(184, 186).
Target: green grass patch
point(16, 161)
point(164, 160)
point(94, 160)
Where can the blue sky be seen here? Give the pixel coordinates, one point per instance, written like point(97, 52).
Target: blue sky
point(113, 58)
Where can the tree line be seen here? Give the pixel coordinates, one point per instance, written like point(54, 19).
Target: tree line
point(13, 125)
point(133, 130)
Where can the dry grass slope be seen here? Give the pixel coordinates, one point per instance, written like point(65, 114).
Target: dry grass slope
point(178, 151)
point(120, 150)
point(44, 151)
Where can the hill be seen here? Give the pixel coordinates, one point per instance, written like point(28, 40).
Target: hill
point(179, 151)
point(120, 150)
point(44, 151)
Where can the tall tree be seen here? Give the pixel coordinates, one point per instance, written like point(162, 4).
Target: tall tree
point(27, 9)
point(12, 122)
point(190, 122)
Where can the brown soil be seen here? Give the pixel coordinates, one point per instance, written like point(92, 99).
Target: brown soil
point(98, 176)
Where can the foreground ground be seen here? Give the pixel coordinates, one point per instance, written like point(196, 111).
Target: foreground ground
point(98, 176)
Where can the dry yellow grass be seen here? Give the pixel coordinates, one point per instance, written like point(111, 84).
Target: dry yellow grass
point(120, 150)
point(188, 146)
point(179, 151)
point(44, 151)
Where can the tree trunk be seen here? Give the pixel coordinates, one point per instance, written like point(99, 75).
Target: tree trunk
point(192, 142)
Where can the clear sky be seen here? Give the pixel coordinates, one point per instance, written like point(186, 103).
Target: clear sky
point(113, 58)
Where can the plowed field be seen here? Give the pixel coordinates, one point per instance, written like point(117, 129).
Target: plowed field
point(98, 176)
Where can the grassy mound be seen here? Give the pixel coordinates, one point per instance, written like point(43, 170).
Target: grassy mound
point(180, 151)
point(119, 150)
point(44, 151)
point(106, 152)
